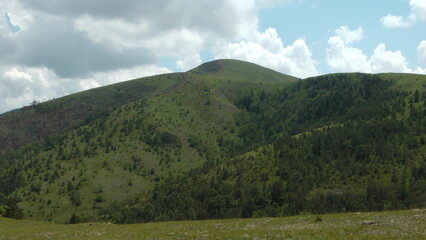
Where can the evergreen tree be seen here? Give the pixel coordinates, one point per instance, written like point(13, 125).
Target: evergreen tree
point(12, 209)
point(74, 219)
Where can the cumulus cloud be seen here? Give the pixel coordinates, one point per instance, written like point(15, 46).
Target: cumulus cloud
point(342, 57)
point(58, 47)
point(349, 36)
point(223, 17)
point(267, 49)
point(418, 8)
point(388, 61)
point(71, 54)
point(421, 54)
point(418, 13)
point(420, 70)
point(392, 21)
point(79, 37)
point(421, 51)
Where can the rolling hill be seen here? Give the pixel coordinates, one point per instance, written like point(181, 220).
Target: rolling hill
point(227, 139)
point(116, 141)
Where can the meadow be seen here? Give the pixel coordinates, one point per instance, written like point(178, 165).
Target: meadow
point(407, 224)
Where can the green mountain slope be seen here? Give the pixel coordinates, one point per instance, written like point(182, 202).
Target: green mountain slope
point(335, 143)
point(40, 120)
point(227, 139)
point(120, 153)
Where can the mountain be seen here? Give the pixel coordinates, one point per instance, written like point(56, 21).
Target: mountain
point(333, 143)
point(226, 139)
point(86, 150)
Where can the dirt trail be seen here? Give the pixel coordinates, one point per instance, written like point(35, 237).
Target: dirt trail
point(184, 79)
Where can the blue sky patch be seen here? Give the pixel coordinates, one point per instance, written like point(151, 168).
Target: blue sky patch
point(13, 28)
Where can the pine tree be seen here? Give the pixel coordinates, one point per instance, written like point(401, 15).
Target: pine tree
point(12, 209)
point(74, 219)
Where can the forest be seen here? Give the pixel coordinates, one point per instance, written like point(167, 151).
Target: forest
point(336, 143)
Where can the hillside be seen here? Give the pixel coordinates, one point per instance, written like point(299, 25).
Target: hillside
point(334, 143)
point(39, 120)
point(119, 152)
point(34, 122)
point(228, 139)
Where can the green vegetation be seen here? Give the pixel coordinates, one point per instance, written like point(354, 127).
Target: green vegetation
point(384, 225)
point(12, 210)
point(336, 143)
point(119, 154)
point(40, 120)
point(228, 139)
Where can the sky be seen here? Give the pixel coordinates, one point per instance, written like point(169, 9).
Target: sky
point(51, 48)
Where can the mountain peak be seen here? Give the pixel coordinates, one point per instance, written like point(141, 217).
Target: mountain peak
point(232, 68)
point(208, 68)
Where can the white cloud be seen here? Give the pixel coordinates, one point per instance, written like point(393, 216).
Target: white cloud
point(342, 57)
point(349, 36)
point(273, 3)
point(420, 70)
point(418, 8)
point(270, 40)
point(182, 44)
point(421, 51)
point(389, 61)
point(418, 13)
point(392, 21)
point(126, 35)
point(267, 49)
point(224, 16)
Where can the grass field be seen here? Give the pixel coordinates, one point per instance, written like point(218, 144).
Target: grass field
point(409, 224)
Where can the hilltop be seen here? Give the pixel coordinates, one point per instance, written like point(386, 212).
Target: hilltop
point(23, 126)
point(228, 139)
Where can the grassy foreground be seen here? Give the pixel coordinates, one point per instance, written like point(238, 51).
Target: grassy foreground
point(410, 224)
